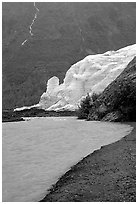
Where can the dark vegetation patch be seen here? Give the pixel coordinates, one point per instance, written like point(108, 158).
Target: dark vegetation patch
point(86, 105)
point(10, 116)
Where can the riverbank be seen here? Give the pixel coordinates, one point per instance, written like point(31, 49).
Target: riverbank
point(16, 116)
point(108, 174)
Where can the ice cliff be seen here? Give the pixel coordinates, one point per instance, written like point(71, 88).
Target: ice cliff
point(92, 74)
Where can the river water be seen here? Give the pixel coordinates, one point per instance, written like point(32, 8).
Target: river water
point(37, 152)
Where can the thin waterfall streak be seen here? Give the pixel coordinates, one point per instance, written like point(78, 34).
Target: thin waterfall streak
point(24, 42)
point(80, 31)
point(35, 17)
point(33, 21)
point(36, 7)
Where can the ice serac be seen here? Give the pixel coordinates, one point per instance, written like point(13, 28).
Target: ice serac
point(92, 74)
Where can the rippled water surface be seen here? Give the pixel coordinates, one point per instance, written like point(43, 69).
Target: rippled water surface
point(37, 152)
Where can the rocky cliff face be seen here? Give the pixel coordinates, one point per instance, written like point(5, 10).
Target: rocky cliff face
point(44, 39)
point(90, 75)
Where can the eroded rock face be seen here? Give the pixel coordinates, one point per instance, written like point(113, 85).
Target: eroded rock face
point(92, 74)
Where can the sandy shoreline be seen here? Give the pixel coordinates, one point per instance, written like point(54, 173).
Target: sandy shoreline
point(108, 174)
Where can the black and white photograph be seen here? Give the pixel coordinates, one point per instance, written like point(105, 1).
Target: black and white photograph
point(68, 101)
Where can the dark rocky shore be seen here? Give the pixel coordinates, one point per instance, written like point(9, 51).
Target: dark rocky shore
point(108, 174)
point(15, 116)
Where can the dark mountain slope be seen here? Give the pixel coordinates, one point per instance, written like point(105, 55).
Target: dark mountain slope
point(118, 101)
point(63, 33)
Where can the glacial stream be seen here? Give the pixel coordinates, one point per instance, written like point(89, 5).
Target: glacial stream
point(37, 152)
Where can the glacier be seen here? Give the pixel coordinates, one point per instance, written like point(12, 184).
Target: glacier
point(90, 75)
